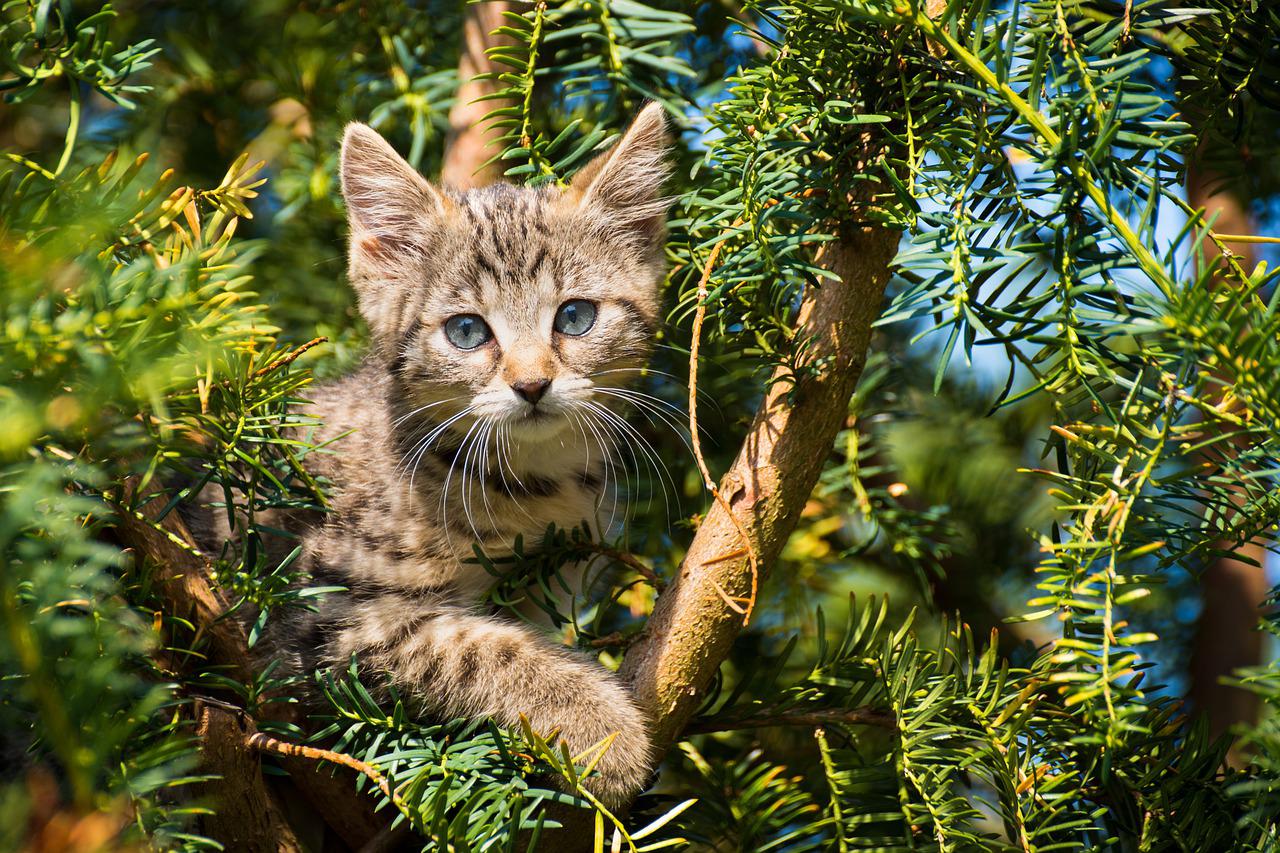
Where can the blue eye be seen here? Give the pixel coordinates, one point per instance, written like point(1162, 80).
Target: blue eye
point(467, 331)
point(575, 317)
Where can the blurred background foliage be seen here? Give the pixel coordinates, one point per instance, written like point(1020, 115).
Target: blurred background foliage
point(171, 238)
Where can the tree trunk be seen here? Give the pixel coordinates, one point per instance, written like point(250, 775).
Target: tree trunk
point(467, 147)
point(1227, 636)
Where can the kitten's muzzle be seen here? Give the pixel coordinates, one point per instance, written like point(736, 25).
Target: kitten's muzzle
point(531, 392)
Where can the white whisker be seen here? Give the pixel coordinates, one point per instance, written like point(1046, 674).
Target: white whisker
point(645, 407)
point(502, 447)
point(704, 396)
point(444, 494)
point(422, 446)
point(649, 451)
point(610, 467)
point(490, 429)
point(634, 439)
point(422, 409)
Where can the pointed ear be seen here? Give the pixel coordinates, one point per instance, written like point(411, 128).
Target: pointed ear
point(390, 207)
point(624, 183)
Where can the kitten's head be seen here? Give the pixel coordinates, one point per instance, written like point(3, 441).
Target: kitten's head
point(513, 303)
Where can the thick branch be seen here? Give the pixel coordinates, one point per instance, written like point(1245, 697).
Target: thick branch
point(467, 147)
point(181, 576)
point(692, 628)
point(244, 816)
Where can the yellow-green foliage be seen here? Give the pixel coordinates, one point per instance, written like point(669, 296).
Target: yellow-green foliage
point(160, 313)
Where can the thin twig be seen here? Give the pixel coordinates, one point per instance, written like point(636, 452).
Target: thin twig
point(699, 316)
point(864, 716)
point(631, 561)
point(275, 746)
point(615, 640)
point(289, 357)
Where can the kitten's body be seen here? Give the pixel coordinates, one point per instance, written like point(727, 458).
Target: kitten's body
point(410, 609)
point(444, 447)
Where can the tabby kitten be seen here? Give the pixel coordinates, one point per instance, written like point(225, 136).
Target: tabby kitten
point(500, 318)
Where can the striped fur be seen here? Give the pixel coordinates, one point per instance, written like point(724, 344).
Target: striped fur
point(440, 453)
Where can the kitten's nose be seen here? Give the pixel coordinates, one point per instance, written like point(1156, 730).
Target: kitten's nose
point(531, 391)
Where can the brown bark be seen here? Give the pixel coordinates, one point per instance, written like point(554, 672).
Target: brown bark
point(244, 816)
point(181, 576)
point(692, 628)
point(467, 146)
point(1228, 639)
point(1227, 635)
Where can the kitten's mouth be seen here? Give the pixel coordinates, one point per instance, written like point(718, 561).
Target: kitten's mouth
point(538, 422)
point(540, 413)
point(528, 416)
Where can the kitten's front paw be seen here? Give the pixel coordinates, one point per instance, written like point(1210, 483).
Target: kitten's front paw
point(624, 768)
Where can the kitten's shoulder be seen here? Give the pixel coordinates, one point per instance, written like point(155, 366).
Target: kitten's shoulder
point(355, 401)
point(352, 413)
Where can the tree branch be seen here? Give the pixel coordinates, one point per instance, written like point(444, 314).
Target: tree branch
point(692, 628)
point(631, 561)
point(275, 746)
point(246, 816)
point(864, 716)
point(467, 147)
point(181, 574)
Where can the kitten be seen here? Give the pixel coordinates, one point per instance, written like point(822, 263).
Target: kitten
point(495, 315)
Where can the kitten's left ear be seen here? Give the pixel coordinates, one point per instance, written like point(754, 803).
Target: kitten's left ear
point(390, 207)
point(624, 184)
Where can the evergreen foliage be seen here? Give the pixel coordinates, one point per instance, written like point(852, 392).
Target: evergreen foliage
point(161, 313)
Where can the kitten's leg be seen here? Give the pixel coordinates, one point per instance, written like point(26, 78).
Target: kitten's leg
point(455, 663)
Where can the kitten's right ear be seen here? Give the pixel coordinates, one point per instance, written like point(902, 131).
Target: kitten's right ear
point(390, 207)
point(624, 184)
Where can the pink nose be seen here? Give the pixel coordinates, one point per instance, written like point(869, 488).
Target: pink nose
point(531, 391)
